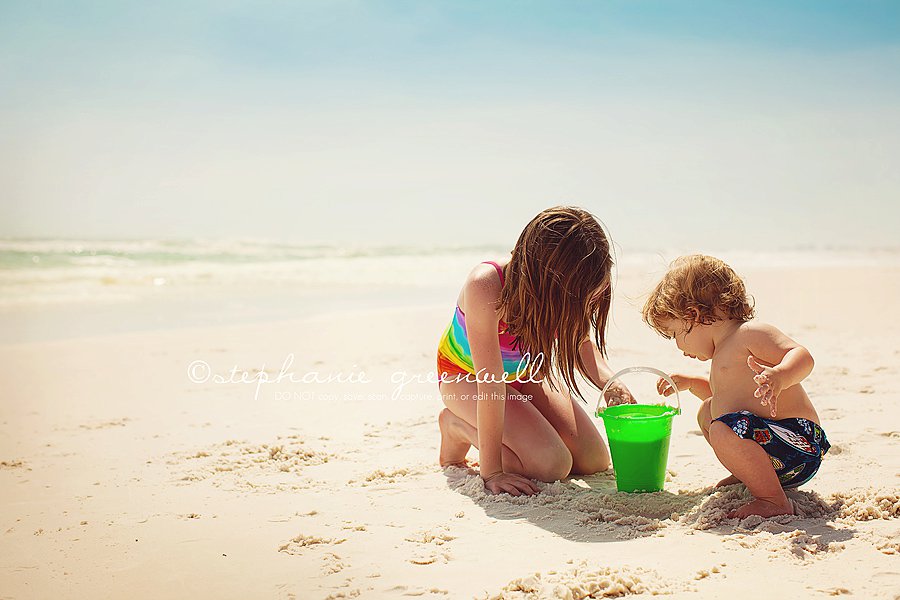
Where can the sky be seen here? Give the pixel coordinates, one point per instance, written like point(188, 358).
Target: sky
point(751, 125)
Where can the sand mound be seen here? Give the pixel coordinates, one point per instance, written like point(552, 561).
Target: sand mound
point(243, 465)
point(819, 528)
point(298, 544)
point(431, 545)
point(713, 510)
point(778, 546)
point(438, 536)
point(14, 464)
point(388, 476)
point(867, 505)
point(846, 507)
point(887, 546)
point(332, 563)
point(583, 582)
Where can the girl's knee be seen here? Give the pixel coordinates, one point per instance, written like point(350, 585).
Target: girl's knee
point(553, 465)
point(595, 461)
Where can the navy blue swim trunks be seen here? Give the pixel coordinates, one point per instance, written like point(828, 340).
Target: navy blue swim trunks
point(796, 446)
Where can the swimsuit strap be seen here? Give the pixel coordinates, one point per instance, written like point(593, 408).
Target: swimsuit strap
point(496, 266)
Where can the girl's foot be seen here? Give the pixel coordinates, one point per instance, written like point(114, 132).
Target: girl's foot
point(763, 508)
point(730, 480)
point(454, 446)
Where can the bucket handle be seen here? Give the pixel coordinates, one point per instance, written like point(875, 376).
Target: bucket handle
point(627, 370)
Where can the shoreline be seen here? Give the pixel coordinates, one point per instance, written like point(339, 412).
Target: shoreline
point(191, 307)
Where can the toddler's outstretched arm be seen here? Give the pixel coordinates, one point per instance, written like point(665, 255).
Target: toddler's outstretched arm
point(698, 386)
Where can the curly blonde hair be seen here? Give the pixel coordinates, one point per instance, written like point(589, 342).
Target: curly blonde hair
point(697, 289)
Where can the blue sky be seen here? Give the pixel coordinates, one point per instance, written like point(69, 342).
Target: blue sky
point(716, 124)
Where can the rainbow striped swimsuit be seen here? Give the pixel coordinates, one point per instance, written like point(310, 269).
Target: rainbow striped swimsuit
point(454, 356)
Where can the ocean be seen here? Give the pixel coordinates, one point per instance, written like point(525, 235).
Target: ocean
point(53, 289)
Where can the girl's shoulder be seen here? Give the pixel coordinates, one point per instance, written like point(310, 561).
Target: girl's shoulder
point(487, 272)
point(481, 287)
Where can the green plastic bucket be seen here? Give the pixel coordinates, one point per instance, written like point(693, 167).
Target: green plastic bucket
point(638, 437)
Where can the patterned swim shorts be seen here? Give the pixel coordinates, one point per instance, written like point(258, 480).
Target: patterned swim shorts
point(795, 446)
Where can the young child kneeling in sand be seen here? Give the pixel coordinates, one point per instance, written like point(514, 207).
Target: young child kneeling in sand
point(703, 305)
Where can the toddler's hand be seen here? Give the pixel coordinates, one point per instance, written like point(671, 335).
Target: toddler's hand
point(618, 394)
point(768, 381)
point(682, 381)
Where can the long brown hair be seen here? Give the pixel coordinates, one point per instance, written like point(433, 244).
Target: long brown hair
point(552, 296)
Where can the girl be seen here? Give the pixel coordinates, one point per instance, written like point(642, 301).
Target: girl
point(520, 323)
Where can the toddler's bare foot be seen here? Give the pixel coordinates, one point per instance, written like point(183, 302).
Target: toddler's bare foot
point(763, 508)
point(453, 446)
point(730, 480)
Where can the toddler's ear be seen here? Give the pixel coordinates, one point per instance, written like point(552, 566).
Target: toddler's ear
point(695, 315)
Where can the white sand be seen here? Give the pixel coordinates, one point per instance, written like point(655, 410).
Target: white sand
point(119, 477)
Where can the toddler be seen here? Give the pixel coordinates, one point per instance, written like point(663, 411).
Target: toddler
point(755, 414)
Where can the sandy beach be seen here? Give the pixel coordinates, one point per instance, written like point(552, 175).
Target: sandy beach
point(233, 234)
point(126, 469)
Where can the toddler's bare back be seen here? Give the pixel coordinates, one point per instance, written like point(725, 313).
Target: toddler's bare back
point(732, 385)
